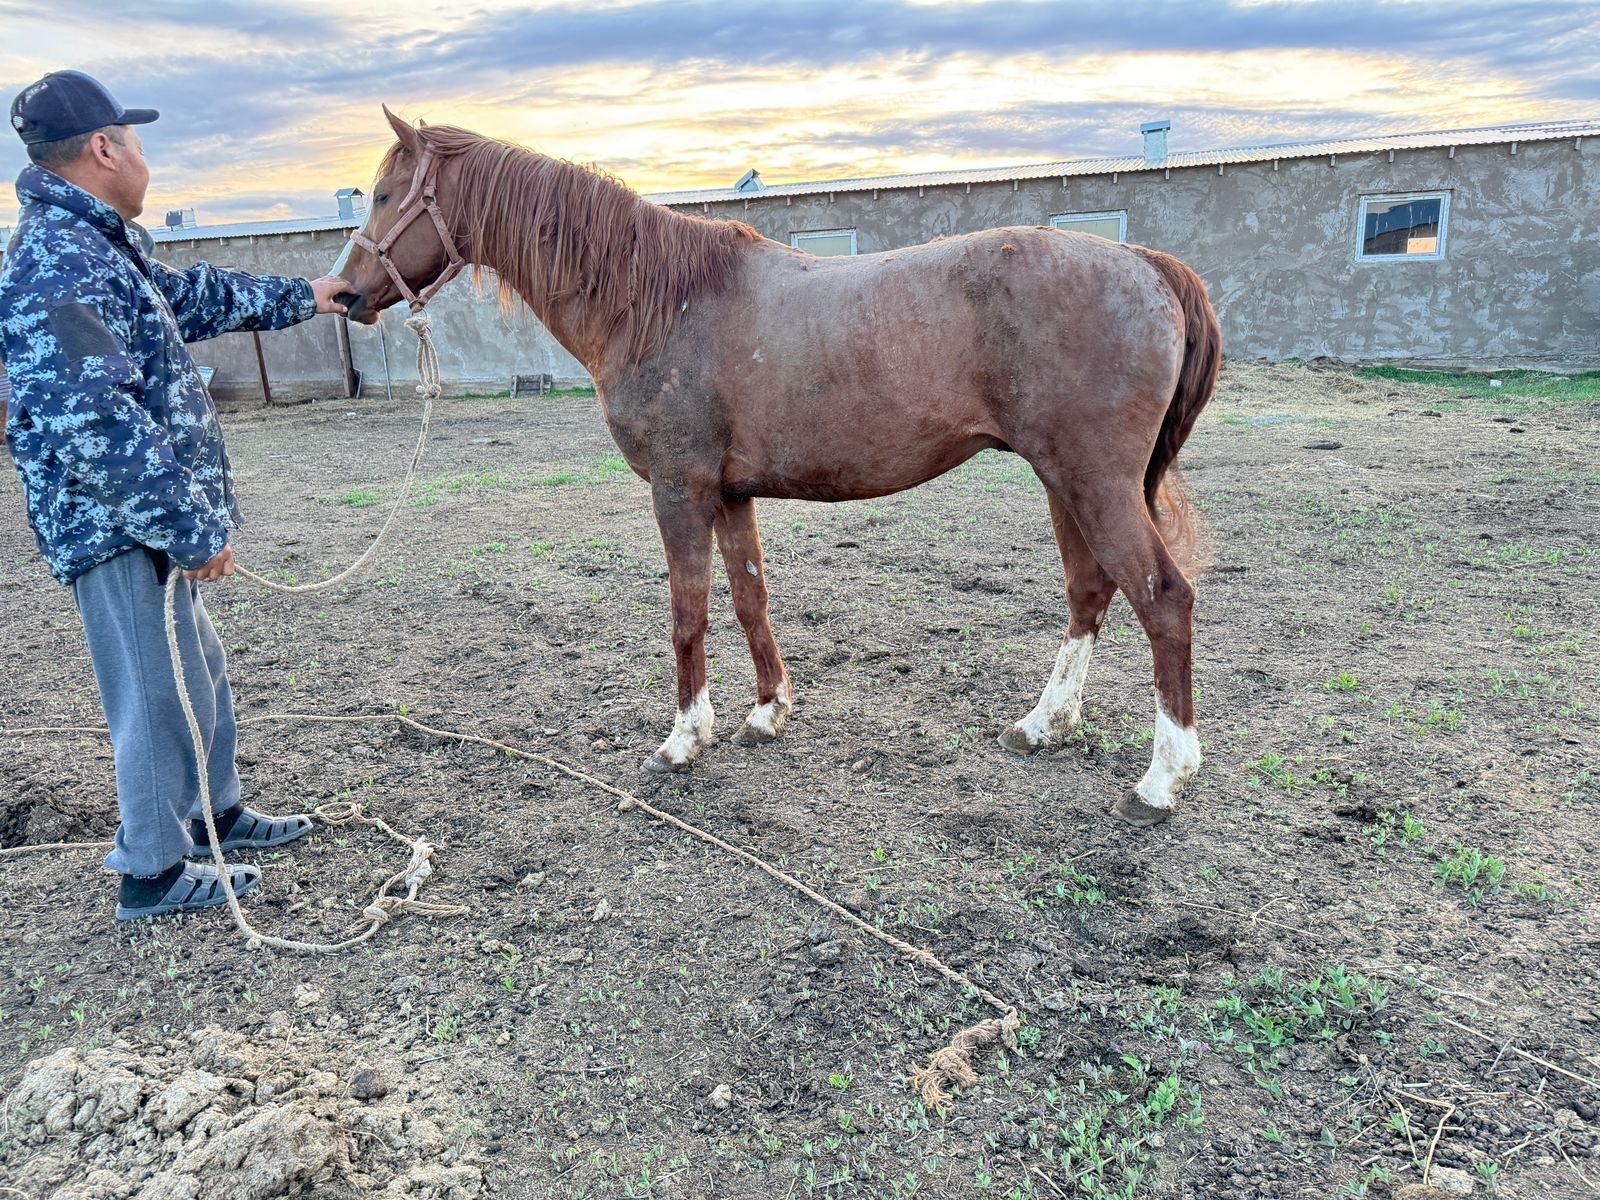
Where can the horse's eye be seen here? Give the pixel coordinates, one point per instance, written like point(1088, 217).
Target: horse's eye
point(383, 199)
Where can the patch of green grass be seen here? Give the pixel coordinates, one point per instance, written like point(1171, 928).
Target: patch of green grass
point(1043, 884)
point(1474, 872)
point(1273, 1012)
point(1274, 767)
point(1515, 386)
point(429, 492)
point(990, 470)
point(1434, 714)
point(1095, 1135)
point(599, 470)
point(1344, 681)
point(1392, 824)
point(359, 498)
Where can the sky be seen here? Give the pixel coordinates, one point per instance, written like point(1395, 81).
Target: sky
point(268, 108)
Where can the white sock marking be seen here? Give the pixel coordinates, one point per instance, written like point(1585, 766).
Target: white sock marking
point(765, 717)
point(1174, 759)
point(690, 732)
point(1061, 703)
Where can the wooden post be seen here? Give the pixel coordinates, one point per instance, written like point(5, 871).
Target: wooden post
point(261, 365)
point(352, 381)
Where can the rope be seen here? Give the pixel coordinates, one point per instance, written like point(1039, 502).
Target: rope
point(949, 1066)
point(428, 388)
point(383, 908)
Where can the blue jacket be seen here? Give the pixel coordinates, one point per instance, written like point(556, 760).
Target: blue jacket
point(111, 429)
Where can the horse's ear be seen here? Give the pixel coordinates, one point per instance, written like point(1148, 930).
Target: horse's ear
point(403, 130)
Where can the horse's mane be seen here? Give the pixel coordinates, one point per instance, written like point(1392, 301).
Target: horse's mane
point(561, 233)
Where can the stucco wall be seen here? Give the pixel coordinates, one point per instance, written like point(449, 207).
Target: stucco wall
point(1519, 283)
point(479, 347)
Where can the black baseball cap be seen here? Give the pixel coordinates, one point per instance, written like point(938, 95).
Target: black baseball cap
point(66, 103)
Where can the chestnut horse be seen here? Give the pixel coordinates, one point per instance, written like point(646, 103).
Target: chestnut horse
point(730, 367)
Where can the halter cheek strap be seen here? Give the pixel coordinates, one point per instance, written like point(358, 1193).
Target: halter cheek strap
point(422, 181)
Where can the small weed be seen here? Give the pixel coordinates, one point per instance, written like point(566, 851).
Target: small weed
point(1273, 767)
point(1470, 869)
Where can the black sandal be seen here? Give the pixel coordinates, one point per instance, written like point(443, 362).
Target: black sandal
point(241, 828)
point(186, 887)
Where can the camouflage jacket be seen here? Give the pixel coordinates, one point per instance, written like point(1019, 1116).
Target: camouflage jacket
point(110, 427)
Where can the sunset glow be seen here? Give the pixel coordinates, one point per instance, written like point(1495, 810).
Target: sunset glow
point(268, 109)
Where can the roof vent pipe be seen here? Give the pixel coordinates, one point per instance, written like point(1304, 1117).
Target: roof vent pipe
point(351, 204)
point(1155, 142)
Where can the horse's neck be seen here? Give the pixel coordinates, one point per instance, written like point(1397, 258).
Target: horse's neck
point(582, 328)
point(572, 326)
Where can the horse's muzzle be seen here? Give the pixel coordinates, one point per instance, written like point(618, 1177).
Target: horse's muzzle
point(356, 309)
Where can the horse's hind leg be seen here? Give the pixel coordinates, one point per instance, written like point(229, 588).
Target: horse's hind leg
point(1117, 529)
point(740, 540)
point(685, 521)
point(1089, 592)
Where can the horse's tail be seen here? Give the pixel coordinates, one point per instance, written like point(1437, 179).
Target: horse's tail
point(1202, 359)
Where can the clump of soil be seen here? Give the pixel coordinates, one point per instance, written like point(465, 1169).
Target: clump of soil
point(216, 1114)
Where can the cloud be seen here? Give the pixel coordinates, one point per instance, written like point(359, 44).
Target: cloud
point(277, 104)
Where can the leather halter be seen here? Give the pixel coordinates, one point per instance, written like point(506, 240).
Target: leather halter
point(421, 181)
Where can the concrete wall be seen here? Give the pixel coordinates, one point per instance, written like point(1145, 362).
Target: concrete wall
point(1519, 283)
point(479, 347)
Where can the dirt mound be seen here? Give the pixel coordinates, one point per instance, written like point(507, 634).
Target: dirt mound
point(217, 1115)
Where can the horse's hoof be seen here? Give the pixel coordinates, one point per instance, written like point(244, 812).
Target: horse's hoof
point(751, 734)
point(1016, 740)
point(656, 764)
point(1133, 809)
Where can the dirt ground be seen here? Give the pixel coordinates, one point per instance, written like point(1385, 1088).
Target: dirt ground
point(1367, 946)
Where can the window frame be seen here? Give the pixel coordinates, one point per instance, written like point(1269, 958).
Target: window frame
point(796, 235)
point(1120, 214)
point(1443, 239)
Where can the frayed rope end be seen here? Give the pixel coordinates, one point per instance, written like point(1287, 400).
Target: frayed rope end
point(951, 1066)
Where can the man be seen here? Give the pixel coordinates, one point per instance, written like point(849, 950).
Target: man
point(125, 474)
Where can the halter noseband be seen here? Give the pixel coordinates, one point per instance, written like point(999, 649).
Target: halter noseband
point(421, 181)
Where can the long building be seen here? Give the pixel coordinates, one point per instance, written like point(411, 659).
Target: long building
point(1457, 247)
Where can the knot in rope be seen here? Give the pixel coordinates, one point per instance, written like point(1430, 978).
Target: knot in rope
point(428, 386)
point(419, 873)
point(339, 812)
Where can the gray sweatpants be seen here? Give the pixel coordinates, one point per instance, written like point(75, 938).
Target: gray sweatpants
point(123, 606)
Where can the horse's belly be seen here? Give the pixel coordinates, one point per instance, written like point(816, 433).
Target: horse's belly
point(845, 456)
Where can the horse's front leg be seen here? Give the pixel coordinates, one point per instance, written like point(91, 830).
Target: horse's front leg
point(685, 520)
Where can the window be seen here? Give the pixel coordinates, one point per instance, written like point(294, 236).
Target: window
point(825, 243)
point(1113, 226)
point(1402, 227)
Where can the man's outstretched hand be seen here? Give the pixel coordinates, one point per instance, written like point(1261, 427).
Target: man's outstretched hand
point(325, 289)
point(219, 566)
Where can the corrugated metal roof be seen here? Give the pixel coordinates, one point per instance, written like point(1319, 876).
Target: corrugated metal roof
point(1539, 131)
point(204, 233)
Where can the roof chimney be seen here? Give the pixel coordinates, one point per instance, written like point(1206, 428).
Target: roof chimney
point(1155, 142)
point(750, 181)
point(350, 203)
point(180, 218)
